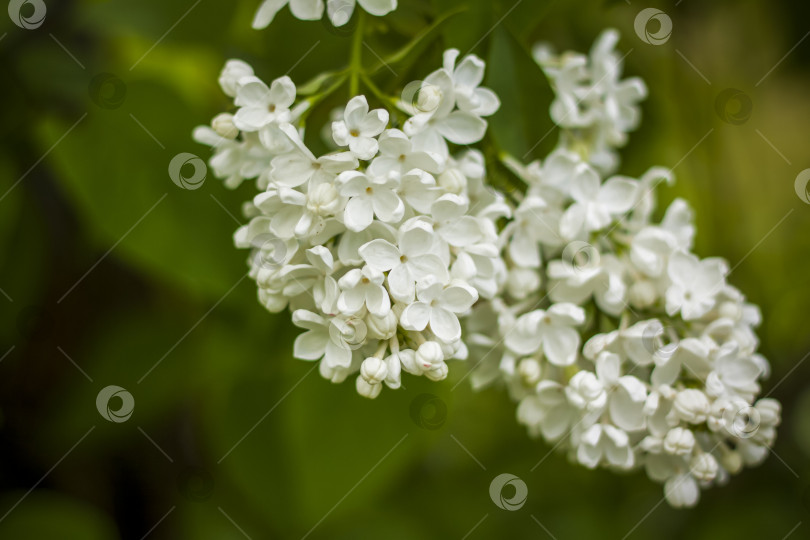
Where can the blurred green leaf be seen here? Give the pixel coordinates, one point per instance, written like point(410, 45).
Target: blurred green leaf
point(45, 515)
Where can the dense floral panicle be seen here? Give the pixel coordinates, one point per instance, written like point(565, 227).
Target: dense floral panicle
point(380, 248)
point(395, 255)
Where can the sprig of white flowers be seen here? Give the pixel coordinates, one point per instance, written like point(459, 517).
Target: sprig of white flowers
point(338, 11)
point(394, 254)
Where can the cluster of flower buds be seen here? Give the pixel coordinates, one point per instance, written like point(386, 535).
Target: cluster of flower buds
point(394, 253)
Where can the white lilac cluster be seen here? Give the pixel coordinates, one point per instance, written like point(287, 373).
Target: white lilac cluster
point(594, 106)
point(618, 343)
point(338, 11)
point(379, 247)
point(394, 254)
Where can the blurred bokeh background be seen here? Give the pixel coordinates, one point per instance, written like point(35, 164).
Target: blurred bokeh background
point(111, 275)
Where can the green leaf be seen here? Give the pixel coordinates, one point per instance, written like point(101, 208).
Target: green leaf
point(114, 167)
point(521, 126)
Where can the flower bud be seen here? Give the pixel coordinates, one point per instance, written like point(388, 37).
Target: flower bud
point(586, 392)
point(393, 379)
point(529, 370)
point(323, 200)
point(428, 98)
point(429, 354)
point(521, 282)
point(408, 361)
point(367, 390)
point(679, 441)
point(642, 294)
point(453, 180)
point(770, 411)
point(374, 370)
point(691, 405)
point(651, 444)
point(274, 303)
point(334, 374)
point(730, 310)
point(714, 386)
point(224, 126)
point(438, 372)
point(382, 327)
point(704, 467)
point(230, 75)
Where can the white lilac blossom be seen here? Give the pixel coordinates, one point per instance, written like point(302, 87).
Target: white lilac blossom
point(374, 247)
point(397, 256)
point(338, 11)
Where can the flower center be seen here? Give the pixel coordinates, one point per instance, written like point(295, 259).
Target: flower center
point(354, 133)
point(271, 108)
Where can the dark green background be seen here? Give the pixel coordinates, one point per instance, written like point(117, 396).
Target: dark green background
point(168, 290)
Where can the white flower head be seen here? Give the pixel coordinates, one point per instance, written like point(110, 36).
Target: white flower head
point(359, 128)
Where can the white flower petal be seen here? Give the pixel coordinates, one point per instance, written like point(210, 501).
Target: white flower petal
point(415, 317)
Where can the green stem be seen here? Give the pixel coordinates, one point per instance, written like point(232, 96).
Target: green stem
point(356, 62)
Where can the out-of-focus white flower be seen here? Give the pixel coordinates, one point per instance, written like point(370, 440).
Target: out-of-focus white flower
point(694, 286)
